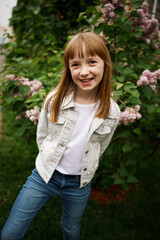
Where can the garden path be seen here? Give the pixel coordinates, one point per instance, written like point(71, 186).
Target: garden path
point(2, 60)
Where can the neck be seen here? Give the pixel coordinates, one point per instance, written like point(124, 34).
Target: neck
point(85, 98)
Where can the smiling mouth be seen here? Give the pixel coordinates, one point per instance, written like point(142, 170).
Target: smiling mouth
point(86, 80)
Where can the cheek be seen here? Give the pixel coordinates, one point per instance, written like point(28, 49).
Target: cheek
point(102, 72)
point(74, 74)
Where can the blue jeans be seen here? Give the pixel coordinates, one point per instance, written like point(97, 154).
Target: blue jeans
point(35, 193)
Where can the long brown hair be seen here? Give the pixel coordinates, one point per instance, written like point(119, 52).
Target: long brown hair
point(94, 45)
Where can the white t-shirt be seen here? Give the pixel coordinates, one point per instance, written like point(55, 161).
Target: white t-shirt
point(71, 161)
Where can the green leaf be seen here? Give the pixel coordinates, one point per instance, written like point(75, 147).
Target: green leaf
point(18, 60)
point(132, 162)
point(123, 18)
point(134, 100)
point(123, 172)
point(131, 88)
point(125, 133)
point(125, 28)
point(24, 90)
point(13, 44)
point(132, 179)
point(144, 66)
point(138, 34)
point(134, 93)
point(137, 131)
point(98, 29)
point(9, 100)
point(158, 108)
point(127, 147)
point(120, 78)
point(127, 71)
point(129, 85)
point(150, 108)
point(118, 85)
point(20, 131)
point(118, 93)
point(118, 181)
point(134, 75)
point(148, 92)
point(81, 17)
point(91, 9)
point(118, 68)
point(19, 99)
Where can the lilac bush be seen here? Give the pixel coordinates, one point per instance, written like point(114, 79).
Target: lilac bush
point(132, 38)
point(23, 95)
point(34, 85)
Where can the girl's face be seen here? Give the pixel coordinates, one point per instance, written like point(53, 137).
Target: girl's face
point(86, 72)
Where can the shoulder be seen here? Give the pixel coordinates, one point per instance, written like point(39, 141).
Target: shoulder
point(49, 99)
point(114, 109)
point(50, 95)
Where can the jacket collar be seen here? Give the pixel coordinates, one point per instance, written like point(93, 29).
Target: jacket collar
point(68, 102)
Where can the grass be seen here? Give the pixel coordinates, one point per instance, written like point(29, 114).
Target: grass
point(136, 218)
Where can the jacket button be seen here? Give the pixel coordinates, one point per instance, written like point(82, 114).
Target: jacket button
point(61, 145)
point(85, 183)
point(84, 169)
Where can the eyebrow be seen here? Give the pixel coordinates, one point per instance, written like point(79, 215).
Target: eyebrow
point(77, 59)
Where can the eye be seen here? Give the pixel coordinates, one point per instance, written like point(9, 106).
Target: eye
point(92, 62)
point(74, 65)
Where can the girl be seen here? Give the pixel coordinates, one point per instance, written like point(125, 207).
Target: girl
point(76, 124)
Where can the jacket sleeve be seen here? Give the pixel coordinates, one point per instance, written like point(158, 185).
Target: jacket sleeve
point(42, 127)
point(106, 142)
point(116, 113)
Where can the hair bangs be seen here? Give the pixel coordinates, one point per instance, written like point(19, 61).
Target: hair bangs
point(85, 45)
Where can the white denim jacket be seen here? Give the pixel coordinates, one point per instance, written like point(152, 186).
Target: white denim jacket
point(53, 138)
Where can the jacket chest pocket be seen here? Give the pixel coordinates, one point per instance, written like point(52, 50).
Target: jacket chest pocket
point(100, 134)
point(110, 122)
point(55, 128)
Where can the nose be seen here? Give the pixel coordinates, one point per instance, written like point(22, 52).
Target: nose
point(84, 70)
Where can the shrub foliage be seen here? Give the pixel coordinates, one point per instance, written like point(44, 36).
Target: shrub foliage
point(132, 37)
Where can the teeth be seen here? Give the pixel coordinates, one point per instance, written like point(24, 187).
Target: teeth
point(87, 80)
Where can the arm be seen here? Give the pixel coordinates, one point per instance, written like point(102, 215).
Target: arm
point(42, 127)
point(114, 113)
point(106, 142)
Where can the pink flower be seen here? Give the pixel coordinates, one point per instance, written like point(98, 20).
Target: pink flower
point(10, 77)
point(22, 80)
point(109, 10)
point(149, 78)
point(33, 114)
point(18, 117)
point(138, 107)
point(130, 115)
